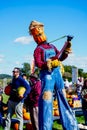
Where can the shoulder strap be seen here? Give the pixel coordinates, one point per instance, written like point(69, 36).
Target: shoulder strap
point(49, 48)
point(42, 47)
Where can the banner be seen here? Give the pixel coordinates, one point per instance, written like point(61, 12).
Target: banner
point(74, 76)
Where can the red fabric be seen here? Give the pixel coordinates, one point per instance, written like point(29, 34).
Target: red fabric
point(34, 94)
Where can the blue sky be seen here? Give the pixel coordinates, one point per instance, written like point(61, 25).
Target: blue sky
point(60, 17)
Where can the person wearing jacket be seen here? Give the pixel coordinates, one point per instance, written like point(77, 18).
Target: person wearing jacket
point(48, 59)
point(16, 100)
point(32, 100)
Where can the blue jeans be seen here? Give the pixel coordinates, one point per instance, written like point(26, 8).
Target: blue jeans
point(50, 81)
point(1, 120)
point(67, 116)
point(14, 107)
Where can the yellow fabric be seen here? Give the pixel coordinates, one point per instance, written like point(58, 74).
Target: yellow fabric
point(52, 64)
point(55, 63)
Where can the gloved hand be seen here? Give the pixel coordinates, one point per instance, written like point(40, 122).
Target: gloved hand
point(55, 63)
point(52, 63)
point(69, 38)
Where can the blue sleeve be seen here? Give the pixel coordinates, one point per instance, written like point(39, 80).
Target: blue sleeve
point(27, 86)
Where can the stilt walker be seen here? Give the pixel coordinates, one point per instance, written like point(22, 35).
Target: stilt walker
point(48, 59)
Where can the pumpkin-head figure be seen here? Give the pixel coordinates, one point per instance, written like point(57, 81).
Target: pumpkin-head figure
point(36, 29)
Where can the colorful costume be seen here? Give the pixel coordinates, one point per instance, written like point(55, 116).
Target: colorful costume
point(47, 60)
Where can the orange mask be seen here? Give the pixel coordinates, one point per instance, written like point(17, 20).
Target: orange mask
point(38, 34)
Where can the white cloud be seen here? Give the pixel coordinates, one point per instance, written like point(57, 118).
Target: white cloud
point(24, 40)
point(78, 61)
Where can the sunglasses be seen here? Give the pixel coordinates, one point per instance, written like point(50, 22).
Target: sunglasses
point(15, 71)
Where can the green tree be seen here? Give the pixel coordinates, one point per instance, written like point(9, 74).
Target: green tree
point(85, 75)
point(68, 68)
point(26, 69)
point(2, 76)
point(68, 71)
point(80, 72)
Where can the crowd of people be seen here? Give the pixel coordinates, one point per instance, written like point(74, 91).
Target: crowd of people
point(31, 102)
point(37, 93)
point(29, 99)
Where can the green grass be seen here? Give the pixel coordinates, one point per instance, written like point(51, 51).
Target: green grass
point(5, 98)
point(57, 125)
point(80, 119)
point(1, 128)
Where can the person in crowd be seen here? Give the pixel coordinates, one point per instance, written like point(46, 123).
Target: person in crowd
point(16, 99)
point(25, 77)
point(84, 100)
point(66, 84)
point(32, 100)
point(3, 109)
point(1, 90)
point(79, 86)
point(48, 58)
